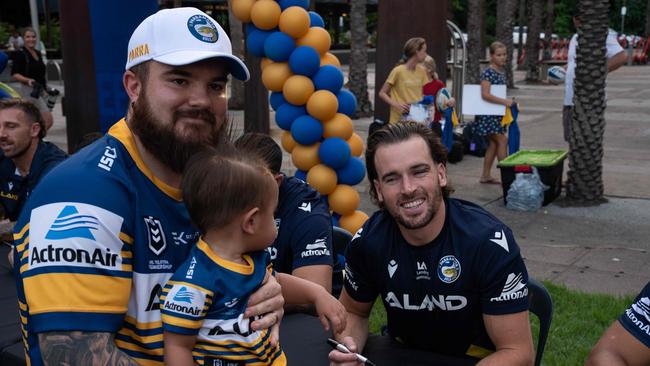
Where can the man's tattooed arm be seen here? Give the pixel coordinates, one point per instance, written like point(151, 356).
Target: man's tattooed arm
point(82, 348)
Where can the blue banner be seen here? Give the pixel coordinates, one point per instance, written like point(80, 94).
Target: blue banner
point(112, 23)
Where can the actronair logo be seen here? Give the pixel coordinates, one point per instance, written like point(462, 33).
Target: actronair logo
point(184, 296)
point(50, 254)
point(514, 289)
point(642, 307)
point(639, 311)
point(70, 224)
point(317, 248)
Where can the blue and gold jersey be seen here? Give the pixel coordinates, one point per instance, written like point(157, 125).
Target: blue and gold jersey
point(435, 295)
point(636, 318)
point(207, 297)
point(304, 228)
point(96, 242)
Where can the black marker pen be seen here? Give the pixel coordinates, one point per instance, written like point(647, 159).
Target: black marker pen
point(340, 347)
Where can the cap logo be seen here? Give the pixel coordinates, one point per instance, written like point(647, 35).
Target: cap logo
point(138, 51)
point(202, 28)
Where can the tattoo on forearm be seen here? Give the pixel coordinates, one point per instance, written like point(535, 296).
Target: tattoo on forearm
point(82, 348)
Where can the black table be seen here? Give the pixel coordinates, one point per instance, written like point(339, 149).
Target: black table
point(304, 342)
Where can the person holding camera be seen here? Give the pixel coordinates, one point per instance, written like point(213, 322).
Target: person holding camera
point(29, 69)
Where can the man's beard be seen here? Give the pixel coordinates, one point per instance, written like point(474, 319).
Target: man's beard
point(18, 153)
point(413, 224)
point(160, 139)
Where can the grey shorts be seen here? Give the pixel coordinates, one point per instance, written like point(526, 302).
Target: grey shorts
point(25, 91)
point(567, 119)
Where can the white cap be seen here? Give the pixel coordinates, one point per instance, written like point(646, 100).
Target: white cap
point(182, 36)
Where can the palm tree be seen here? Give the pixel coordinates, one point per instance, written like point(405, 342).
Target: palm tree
point(548, 28)
point(474, 49)
point(647, 19)
point(358, 83)
point(236, 100)
point(505, 20)
point(535, 13)
point(585, 175)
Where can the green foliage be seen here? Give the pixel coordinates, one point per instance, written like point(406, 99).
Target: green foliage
point(579, 319)
point(55, 36)
point(5, 32)
point(564, 11)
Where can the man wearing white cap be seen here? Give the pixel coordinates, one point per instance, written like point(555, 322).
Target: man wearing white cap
point(107, 229)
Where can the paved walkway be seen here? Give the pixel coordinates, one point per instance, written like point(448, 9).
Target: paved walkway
point(596, 249)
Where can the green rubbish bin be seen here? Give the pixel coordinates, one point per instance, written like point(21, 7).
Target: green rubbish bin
point(549, 164)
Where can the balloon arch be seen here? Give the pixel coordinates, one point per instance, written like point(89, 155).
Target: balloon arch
point(310, 103)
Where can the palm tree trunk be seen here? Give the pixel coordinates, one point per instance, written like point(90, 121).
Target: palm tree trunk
point(535, 13)
point(548, 28)
point(358, 83)
point(474, 47)
point(585, 176)
point(505, 20)
point(521, 11)
point(647, 19)
point(236, 100)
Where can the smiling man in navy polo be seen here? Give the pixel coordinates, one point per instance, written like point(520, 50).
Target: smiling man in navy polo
point(449, 274)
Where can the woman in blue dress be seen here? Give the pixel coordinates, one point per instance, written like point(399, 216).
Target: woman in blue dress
point(490, 126)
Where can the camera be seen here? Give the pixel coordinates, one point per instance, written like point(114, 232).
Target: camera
point(52, 94)
point(37, 90)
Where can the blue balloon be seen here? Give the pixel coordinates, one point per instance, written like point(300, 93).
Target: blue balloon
point(278, 46)
point(276, 99)
point(287, 113)
point(335, 219)
point(334, 152)
point(304, 60)
point(255, 42)
point(347, 102)
point(301, 174)
point(329, 78)
point(287, 3)
point(351, 173)
point(4, 60)
point(315, 20)
point(306, 130)
point(250, 27)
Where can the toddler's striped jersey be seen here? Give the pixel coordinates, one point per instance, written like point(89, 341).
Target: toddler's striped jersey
point(96, 242)
point(207, 297)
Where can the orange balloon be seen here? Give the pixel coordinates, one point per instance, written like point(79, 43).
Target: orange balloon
point(297, 89)
point(322, 178)
point(305, 157)
point(329, 59)
point(288, 143)
point(275, 74)
point(242, 9)
point(294, 21)
point(343, 200)
point(339, 126)
point(265, 62)
point(317, 38)
point(265, 14)
point(322, 105)
point(353, 222)
point(356, 145)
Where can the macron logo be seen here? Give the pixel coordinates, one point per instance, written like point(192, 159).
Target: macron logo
point(392, 267)
point(183, 295)
point(305, 206)
point(70, 224)
point(500, 240)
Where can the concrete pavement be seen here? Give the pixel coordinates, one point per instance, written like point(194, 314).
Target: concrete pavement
point(602, 249)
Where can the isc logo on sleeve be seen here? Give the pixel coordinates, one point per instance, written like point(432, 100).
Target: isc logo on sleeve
point(74, 234)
